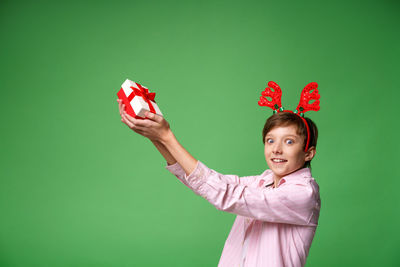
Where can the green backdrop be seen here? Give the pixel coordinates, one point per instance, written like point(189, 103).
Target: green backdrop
point(79, 188)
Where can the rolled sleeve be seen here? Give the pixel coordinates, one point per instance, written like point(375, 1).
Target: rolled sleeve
point(177, 170)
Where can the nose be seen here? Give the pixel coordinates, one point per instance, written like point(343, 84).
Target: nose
point(277, 148)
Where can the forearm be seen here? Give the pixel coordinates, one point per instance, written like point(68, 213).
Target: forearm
point(157, 129)
point(164, 152)
point(179, 153)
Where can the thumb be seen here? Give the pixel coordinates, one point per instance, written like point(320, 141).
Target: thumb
point(151, 116)
point(155, 117)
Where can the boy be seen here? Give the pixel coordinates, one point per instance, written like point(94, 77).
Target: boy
point(277, 211)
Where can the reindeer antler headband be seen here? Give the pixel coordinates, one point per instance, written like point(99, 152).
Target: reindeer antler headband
point(275, 93)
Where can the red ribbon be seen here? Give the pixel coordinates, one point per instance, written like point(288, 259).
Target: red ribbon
point(144, 93)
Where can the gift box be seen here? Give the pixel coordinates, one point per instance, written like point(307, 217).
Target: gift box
point(137, 99)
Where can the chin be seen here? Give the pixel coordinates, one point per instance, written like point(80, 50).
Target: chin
point(282, 173)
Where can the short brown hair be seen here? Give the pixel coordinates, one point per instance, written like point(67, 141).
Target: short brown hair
point(286, 119)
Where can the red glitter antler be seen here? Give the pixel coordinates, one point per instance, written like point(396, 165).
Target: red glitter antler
point(275, 96)
point(306, 97)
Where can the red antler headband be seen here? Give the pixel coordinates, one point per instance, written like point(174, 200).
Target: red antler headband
point(275, 93)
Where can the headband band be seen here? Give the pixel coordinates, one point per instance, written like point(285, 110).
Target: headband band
point(274, 92)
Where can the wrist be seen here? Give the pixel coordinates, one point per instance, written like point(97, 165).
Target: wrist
point(155, 142)
point(167, 138)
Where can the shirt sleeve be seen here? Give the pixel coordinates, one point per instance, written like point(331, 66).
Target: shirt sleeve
point(291, 202)
point(177, 170)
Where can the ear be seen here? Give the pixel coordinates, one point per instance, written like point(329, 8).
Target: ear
point(310, 153)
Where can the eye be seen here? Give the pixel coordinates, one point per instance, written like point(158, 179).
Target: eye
point(270, 141)
point(289, 141)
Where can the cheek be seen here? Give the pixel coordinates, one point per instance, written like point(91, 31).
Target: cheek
point(300, 157)
point(266, 149)
point(266, 152)
point(296, 153)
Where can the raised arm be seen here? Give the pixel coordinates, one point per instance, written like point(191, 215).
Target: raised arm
point(157, 129)
point(294, 202)
point(180, 161)
point(182, 156)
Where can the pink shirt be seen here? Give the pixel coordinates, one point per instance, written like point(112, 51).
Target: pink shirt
point(274, 226)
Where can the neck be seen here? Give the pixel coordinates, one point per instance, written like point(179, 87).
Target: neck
point(276, 181)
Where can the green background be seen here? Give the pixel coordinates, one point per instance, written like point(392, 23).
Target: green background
point(79, 188)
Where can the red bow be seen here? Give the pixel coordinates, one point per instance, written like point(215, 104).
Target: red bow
point(143, 92)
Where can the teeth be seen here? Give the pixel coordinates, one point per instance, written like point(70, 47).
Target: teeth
point(278, 160)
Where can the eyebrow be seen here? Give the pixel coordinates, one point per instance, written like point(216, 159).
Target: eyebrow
point(289, 135)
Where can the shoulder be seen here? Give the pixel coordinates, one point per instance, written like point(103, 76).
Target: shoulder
point(302, 177)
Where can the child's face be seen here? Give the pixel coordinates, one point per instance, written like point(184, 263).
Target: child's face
point(284, 151)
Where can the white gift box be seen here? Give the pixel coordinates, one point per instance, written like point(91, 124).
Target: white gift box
point(134, 97)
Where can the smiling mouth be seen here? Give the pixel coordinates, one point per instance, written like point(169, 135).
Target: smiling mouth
point(278, 160)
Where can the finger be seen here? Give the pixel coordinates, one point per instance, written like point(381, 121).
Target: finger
point(139, 132)
point(129, 117)
point(127, 122)
point(137, 122)
point(120, 107)
point(153, 117)
point(132, 125)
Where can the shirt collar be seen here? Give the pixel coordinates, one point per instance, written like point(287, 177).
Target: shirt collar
point(299, 174)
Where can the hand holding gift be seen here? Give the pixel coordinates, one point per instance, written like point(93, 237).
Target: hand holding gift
point(154, 127)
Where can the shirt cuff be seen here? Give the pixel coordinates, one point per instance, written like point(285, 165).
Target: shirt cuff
point(175, 169)
point(197, 178)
